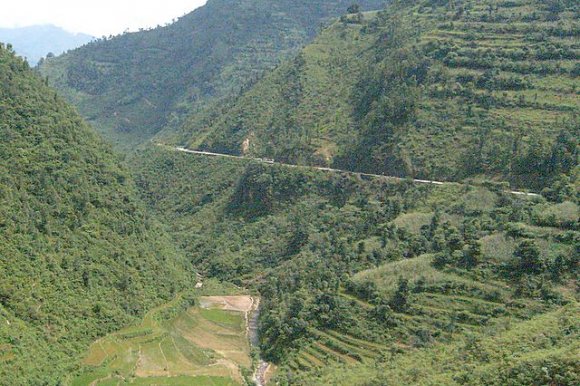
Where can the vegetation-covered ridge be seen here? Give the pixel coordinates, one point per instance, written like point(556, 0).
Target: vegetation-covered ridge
point(428, 88)
point(79, 257)
point(362, 280)
point(355, 273)
point(133, 85)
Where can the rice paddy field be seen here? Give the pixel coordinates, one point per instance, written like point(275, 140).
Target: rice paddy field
point(205, 344)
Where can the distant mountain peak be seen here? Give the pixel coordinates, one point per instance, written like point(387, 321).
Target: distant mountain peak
point(36, 41)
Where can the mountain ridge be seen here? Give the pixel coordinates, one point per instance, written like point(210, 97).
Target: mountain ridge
point(38, 41)
point(410, 92)
point(362, 279)
point(122, 85)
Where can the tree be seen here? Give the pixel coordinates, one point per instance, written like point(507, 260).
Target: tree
point(441, 259)
point(400, 299)
point(472, 255)
point(561, 189)
point(298, 239)
point(353, 9)
point(529, 258)
point(564, 153)
point(454, 239)
point(384, 314)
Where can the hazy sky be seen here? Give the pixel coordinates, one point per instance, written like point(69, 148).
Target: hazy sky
point(94, 17)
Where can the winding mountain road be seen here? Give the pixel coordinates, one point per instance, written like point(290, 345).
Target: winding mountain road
point(326, 169)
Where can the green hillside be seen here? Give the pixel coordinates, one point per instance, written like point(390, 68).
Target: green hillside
point(542, 350)
point(431, 89)
point(362, 279)
point(79, 257)
point(354, 272)
point(133, 85)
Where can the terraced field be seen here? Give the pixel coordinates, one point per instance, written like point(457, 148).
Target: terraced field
point(445, 301)
point(444, 305)
point(174, 345)
point(333, 347)
point(509, 74)
point(529, 345)
point(491, 86)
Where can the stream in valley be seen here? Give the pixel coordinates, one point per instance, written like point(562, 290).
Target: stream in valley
point(253, 335)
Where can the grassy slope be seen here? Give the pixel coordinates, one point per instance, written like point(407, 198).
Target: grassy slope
point(326, 252)
point(78, 255)
point(429, 88)
point(133, 85)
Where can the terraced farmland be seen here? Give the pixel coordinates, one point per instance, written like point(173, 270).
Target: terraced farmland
point(544, 344)
point(442, 306)
point(444, 302)
point(333, 347)
point(206, 344)
point(507, 74)
point(491, 88)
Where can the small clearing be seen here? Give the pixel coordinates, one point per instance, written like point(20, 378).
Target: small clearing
point(229, 303)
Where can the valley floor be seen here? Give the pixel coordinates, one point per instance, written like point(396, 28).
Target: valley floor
point(177, 344)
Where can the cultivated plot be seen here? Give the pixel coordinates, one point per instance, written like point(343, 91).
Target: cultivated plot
point(206, 344)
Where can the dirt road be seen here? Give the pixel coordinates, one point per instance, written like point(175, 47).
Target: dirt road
point(268, 161)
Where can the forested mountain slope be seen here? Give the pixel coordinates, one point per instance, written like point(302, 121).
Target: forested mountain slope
point(133, 85)
point(428, 88)
point(358, 276)
point(78, 255)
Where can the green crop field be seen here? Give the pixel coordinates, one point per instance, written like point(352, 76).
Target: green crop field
point(175, 344)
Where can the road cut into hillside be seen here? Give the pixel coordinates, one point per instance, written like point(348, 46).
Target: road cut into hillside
point(332, 170)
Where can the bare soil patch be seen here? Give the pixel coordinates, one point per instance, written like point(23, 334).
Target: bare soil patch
point(241, 303)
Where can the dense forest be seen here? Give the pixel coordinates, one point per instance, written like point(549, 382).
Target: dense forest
point(79, 256)
point(428, 89)
point(132, 86)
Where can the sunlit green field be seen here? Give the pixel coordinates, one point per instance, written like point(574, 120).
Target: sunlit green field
point(172, 346)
